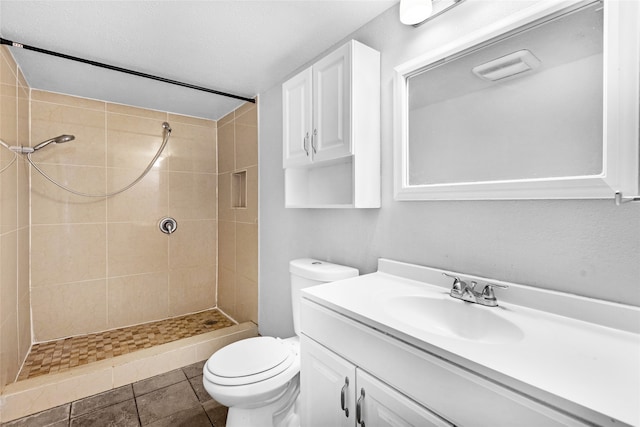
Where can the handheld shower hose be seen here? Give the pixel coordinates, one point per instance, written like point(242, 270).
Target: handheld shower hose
point(65, 138)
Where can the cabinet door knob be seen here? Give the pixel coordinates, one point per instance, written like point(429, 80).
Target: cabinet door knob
point(343, 397)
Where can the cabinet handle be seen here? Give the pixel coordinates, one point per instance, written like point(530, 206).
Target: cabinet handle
point(343, 397)
point(313, 141)
point(359, 419)
point(304, 144)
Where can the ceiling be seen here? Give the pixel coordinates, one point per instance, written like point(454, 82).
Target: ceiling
point(239, 46)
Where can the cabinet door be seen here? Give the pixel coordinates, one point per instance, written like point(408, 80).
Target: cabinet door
point(327, 387)
point(332, 105)
point(379, 405)
point(296, 122)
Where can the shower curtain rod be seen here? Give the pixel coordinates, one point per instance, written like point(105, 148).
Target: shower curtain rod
point(124, 70)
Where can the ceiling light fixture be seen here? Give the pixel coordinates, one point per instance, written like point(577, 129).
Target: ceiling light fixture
point(417, 12)
point(413, 12)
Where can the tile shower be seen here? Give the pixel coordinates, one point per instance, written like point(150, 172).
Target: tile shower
point(101, 263)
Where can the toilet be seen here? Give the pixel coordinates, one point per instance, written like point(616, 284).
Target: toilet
point(258, 378)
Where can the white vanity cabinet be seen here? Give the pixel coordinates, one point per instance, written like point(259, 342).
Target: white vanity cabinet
point(331, 131)
point(336, 393)
point(415, 384)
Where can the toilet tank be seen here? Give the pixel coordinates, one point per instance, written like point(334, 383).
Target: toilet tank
point(307, 272)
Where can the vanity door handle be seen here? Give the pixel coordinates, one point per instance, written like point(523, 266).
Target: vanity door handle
point(304, 143)
point(314, 142)
point(359, 419)
point(343, 397)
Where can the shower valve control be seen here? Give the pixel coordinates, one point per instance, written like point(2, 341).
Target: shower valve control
point(168, 225)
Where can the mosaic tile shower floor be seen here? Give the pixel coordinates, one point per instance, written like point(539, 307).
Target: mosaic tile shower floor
point(64, 354)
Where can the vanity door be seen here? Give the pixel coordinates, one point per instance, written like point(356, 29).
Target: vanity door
point(327, 387)
point(334, 392)
point(379, 405)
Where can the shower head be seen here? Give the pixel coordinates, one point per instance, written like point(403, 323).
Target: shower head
point(57, 140)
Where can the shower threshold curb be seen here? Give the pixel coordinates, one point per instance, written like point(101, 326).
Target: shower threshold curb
point(37, 394)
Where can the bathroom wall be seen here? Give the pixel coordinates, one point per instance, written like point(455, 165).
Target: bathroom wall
point(238, 213)
point(15, 320)
point(585, 247)
point(99, 263)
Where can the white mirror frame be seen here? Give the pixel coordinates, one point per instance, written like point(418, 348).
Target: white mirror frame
point(621, 111)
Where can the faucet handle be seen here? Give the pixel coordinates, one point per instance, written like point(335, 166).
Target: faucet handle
point(487, 292)
point(458, 285)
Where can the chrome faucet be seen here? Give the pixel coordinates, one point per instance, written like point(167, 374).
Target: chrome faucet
point(467, 292)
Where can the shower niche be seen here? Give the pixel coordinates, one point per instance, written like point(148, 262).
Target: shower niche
point(540, 105)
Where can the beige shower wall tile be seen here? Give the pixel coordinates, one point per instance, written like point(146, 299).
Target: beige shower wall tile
point(137, 299)
point(136, 248)
point(69, 100)
point(22, 82)
point(23, 262)
point(227, 291)
point(23, 193)
point(53, 205)
point(24, 327)
point(132, 142)
point(9, 350)
point(190, 120)
point(227, 245)
point(65, 253)
point(194, 244)
point(226, 148)
point(9, 122)
point(191, 289)
point(246, 300)
point(192, 195)
point(23, 117)
point(247, 114)
point(136, 111)
point(246, 146)
point(8, 71)
point(8, 275)
point(88, 126)
point(250, 213)
point(192, 149)
point(69, 309)
point(225, 211)
point(226, 119)
point(9, 198)
point(147, 201)
point(247, 251)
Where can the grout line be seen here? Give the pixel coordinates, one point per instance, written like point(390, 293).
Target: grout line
point(135, 402)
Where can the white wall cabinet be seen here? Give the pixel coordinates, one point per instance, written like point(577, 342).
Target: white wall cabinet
point(331, 131)
point(335, 392)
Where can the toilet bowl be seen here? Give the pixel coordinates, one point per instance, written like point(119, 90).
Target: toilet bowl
point(258, 379)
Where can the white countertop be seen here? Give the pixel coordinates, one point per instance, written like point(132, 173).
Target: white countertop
point(572, 364)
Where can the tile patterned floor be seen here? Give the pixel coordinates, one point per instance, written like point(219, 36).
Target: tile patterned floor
point(174, 399)
point(61, 355)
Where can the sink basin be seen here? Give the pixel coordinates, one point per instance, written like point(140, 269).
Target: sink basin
point(446, 316)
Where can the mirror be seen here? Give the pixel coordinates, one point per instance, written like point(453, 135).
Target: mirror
point(518, 110)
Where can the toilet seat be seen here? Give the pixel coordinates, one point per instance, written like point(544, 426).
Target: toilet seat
point(250, 361)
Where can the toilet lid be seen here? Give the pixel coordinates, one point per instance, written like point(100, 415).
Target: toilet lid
point(248, 357)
